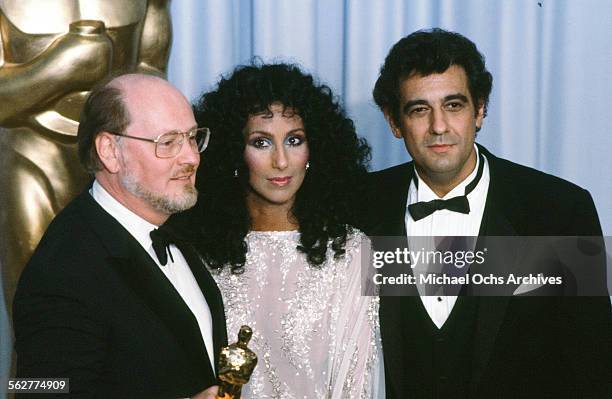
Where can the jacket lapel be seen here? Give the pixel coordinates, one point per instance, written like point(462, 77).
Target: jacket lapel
point(142, 275)
point(213, 297)
point(492, 309)
point(392, 192)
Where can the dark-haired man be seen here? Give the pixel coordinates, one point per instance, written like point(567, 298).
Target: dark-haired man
point(433, 90)
point(119, 307)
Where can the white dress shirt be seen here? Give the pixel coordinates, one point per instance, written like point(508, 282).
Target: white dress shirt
point(446, 223)
point(177, 271)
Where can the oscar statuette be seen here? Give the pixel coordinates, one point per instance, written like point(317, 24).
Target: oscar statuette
point(236, 364)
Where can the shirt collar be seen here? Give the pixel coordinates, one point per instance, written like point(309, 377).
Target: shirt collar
point(138, 227)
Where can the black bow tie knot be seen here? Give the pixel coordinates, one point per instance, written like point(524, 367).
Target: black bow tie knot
point(420, 210)
point(161, 239)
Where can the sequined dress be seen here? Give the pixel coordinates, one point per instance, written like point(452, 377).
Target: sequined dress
point(314, 334)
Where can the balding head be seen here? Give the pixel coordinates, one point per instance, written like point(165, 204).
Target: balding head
point(132, 80)
point(112, 106)
point(146, 96)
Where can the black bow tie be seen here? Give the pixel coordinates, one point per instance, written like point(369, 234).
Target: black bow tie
point(420, 210)
point(162, 238)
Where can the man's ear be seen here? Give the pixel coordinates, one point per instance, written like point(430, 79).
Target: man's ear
point(108, 151)
point(480, 114)
point(391, 121)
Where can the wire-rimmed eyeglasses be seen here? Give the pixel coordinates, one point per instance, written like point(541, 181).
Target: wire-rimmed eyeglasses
point(168, 145)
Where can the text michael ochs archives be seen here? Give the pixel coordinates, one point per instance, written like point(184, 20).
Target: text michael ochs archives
point(476, 278)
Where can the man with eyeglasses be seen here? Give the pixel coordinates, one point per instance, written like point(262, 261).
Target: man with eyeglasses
point(111, 300)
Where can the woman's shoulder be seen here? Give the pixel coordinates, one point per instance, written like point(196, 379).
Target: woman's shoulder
point(357, 248)
point(357, 239)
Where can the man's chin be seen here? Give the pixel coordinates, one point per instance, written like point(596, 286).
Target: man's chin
point(187, 201)
point(190, 189)
point(170, 205)
point(441, 166)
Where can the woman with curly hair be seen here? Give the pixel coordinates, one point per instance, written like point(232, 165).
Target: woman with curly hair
point(278, 186)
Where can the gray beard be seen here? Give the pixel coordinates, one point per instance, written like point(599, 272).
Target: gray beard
point(158, 201)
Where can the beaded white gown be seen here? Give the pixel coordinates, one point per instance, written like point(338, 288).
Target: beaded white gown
point(315, 335)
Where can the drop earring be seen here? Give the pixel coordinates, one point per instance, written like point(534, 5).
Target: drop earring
point(307, 164)
point(235, 172)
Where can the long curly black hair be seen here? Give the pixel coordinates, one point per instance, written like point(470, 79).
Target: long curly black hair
point(338, 162)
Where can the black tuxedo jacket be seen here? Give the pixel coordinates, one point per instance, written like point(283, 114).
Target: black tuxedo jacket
point(524, 347)
point(92, 306)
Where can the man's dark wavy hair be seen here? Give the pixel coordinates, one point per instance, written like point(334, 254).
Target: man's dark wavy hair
point(338, 162)
point(431, 51)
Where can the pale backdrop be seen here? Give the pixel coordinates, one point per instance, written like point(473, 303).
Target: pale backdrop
point(550, 106)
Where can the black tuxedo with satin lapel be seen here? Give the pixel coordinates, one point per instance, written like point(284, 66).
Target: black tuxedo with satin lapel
point(94, 307)
point(522, 347)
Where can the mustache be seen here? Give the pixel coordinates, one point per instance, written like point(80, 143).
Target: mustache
point(187, 170)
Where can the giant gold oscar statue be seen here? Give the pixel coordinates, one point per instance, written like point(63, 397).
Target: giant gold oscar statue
point(52, 52)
